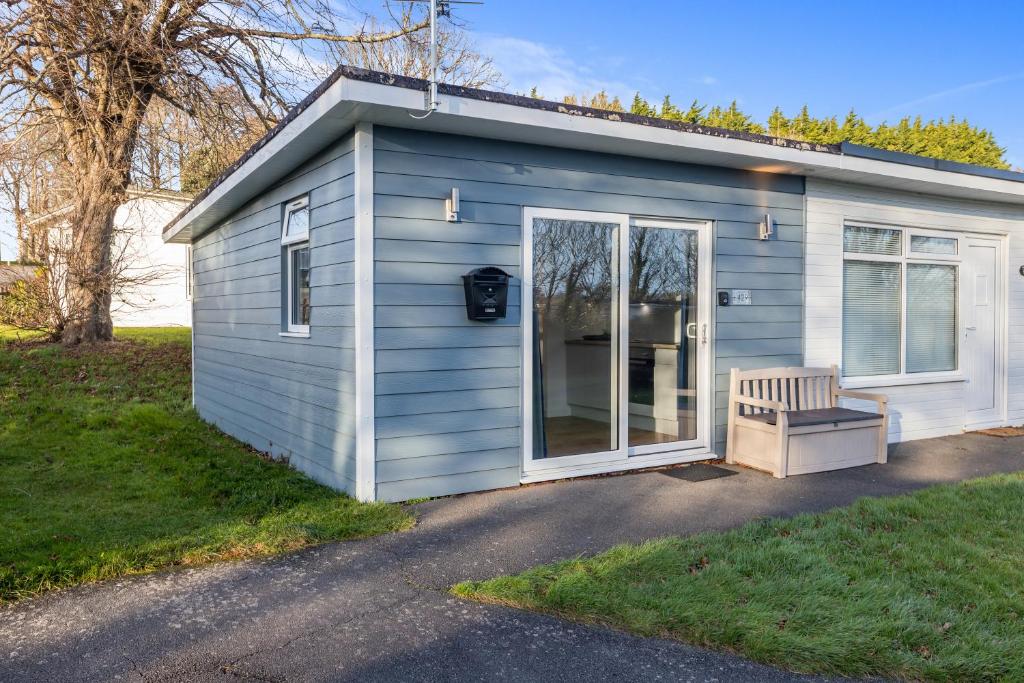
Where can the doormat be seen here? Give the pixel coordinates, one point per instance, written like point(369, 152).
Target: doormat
point(699, 472)
point(1001, 431)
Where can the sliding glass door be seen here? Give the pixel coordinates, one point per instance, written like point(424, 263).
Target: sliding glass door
point(615, 333)
point(576, 329)
point(665, 333)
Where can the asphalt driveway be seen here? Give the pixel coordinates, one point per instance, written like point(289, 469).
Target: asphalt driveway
point(379, 609)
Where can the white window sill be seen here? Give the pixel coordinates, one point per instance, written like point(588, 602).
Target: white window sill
point(900, 380)
point(300, 335)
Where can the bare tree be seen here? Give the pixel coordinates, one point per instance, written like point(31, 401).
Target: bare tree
point(459, 63)
point(91, 71)
point(15, 181)
point(32, 181)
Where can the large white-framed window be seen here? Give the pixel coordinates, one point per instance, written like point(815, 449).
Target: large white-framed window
point(900, 302)
point(296, 267)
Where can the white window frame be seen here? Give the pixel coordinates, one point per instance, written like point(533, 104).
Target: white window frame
point(293, 243)
point(290, 208)
point(907, 257)
point(917, 256)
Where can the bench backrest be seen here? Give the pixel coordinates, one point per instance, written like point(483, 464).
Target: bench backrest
point(797, 388)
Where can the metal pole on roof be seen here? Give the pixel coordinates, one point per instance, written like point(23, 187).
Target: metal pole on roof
point(430, 105)
point(438, 8)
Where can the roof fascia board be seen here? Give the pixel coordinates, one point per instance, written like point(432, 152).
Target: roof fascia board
point(349, 100)
point(511, 122)
point(302, 135)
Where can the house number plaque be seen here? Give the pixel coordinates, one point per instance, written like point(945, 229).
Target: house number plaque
point(741, 297)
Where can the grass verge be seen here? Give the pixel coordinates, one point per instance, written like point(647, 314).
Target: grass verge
point(105, 470)
point(923, 586)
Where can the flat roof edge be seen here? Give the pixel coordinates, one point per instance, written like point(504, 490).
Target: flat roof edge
point(175, 230)
point(866, 152)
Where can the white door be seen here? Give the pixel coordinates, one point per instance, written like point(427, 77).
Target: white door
point(982, 311)
point(616, 345)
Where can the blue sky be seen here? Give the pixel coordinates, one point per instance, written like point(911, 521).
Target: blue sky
point(886, 59)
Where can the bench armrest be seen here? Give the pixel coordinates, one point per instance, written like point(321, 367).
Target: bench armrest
point(880, 399)
point(777, 406)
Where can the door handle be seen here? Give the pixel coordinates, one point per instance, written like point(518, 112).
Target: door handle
point(691, 330)
point(704, 333)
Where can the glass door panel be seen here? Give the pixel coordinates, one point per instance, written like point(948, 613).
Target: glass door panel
point(575, 337)
point(663, 335)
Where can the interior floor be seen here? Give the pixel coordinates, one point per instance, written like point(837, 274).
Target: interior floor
point(577, 435)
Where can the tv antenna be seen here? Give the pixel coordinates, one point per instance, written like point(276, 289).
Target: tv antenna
point(438, 8)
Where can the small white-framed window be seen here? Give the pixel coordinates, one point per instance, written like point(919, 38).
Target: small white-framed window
point(295, 226)
point(933, 246)
point(900, 302)
point(296, 266)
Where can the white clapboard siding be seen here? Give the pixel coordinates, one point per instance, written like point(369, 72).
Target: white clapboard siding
point(921, 410)
point(159, 297)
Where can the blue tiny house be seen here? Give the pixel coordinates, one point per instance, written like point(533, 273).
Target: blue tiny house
point(647, 258)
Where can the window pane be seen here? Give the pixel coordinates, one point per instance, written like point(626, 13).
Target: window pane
point(885, 241)
point(298, 223)
point(871, 318)
point(931, 317)
point(575, 337)
point(923, 244)
point(300, 286)
point(663, 335)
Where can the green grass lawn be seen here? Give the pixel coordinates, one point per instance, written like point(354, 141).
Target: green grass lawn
point(105, 470)
point(10, 334)
point(923, 586)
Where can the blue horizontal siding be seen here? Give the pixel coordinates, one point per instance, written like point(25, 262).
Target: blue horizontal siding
point(447, 389)
point(290, 397)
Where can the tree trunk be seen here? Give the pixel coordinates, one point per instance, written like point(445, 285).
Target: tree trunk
point(90, 271)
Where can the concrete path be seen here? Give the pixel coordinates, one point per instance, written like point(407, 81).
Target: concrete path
point(378, 609)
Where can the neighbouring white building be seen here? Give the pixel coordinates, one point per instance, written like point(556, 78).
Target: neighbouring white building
point(160, 295)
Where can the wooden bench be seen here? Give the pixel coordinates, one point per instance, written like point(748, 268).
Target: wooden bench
point(787, 421)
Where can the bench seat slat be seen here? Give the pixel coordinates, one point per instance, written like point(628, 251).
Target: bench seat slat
point(819, 416)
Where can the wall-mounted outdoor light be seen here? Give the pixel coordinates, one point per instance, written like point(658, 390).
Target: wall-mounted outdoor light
point(766, 228)
point(451, 205)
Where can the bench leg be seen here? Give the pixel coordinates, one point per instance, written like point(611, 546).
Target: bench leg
point(730, 432)
point(782, 448)
point(730, 450)
point(883, 441)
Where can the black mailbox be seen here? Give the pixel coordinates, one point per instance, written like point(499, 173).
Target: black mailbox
point(486, 293)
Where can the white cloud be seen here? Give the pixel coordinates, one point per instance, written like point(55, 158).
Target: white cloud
point(526, 64)
point(904, 107)
point(707, 80)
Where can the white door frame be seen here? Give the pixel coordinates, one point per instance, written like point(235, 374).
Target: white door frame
point(526, 319)
point(624, 457)
point(1000, 292)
